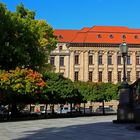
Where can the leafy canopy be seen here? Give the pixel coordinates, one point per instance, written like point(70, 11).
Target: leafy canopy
point(25, 41)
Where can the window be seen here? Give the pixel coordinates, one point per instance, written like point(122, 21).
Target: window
point(137, 74)
point(111, 36)
point(90, 60)
point(76, 76)
point(128, 60)
point(109, 60)
point(60, 48)
point(52, 59)
point(99, 36)
point(119, 76)
point(90, 76)
point(128, 76)
point(110, 76)
point(61, 61)
point(123, 37)
point(136, 37)
point(100, 76)
point(100, 59)
point(76, 59)
point(60, 37)
point(119, 60)
point(137, 60)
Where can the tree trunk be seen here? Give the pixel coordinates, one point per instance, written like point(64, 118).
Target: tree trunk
point(70, 108)
point(14, 110)
point(103, 107)
point(46, 110)
point(84, 108)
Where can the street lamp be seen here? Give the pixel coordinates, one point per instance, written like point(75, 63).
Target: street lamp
point(125, 110)
point(124, 51)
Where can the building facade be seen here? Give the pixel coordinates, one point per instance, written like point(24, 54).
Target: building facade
point(92, 54)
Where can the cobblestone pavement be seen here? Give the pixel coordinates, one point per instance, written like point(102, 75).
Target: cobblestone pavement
point(81, 128)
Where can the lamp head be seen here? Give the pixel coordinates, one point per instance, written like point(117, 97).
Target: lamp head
point(123, 49)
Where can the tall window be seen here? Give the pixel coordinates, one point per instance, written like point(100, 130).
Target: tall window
point(128, 76)
point(76, 76)
point(119, 60)
point(137, 74)
point(60, 48)
point(119, 76)
point(110, 76)
point(128, 60)
point(76, 59)
point(90, 59)
point(137, 60)
point(61, 61)
point(100, 60)
point(100, 76)
point(52, 59)
point(90, 76)
point(109, 60)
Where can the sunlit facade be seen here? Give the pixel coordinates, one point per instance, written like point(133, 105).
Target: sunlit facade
point(92, 54)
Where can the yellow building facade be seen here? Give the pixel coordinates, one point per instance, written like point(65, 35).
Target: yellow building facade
point(92, 54)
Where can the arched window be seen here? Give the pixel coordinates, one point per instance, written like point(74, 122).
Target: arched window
point(99, 36)
point(111, 36)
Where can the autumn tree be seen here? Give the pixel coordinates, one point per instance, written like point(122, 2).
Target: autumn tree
point(20, 86)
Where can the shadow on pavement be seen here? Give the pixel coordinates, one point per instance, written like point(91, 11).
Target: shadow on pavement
point(92, 131)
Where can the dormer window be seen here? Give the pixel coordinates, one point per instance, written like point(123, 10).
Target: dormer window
point(99, 36)
point(60, 37)
point(123, 37)
point(136, 37)
point(111, 36)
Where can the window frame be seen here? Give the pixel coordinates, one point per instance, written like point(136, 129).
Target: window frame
point(52, 60)
point(109, 59)
point(119, 60)
point(110, 76)
point(61, 61)
point(100, 59)
point(119, 74)
point(100, 76)
point(76, 59)
point(76, 76)
point(90, 76)
point(90, 59)
point(128, 60)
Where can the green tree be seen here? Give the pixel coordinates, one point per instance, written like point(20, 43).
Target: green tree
point(105, 92)
point(61, 90)
point(25, 42)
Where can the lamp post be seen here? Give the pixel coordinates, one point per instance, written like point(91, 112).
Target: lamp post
point(125, 111)
point(124, 51)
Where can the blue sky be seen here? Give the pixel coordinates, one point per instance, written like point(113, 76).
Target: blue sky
point(76, 14)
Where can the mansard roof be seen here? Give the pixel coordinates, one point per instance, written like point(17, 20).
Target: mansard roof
point(99, 34)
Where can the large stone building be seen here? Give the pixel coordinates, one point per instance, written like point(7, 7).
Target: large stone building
point(92, 54)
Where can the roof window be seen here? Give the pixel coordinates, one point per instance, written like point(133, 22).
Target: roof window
point(123, 37)
point(136, 37)
point(99, 36)
point(111, 36)
point(60, 37)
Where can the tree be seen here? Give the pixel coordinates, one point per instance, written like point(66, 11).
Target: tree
point(61, 90)
point(20, 86)
point(25, 42)
point(105, 92)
